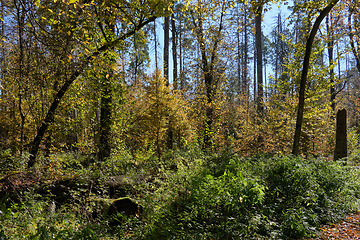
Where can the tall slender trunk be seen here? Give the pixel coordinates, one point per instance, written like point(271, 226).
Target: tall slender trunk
point(245, 53)
point(174, 52)
point(169, 141)
point(255, 70)
point(136, 65)
point(354, 48)
point(166, 49)
point(20, 15)
point(182, 78)
point(239, 53)
point(277, 46)
point(330, 47)
point(3, 55)
point(265, 81)
point(156, 53)
point(259, 60)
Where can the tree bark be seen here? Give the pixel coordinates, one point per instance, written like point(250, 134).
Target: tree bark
point(239, 52)
point(354, 49)
point(169, 141)
point(49, 119)
point(341, 135)
point(330, 48)
point(181, 62)
point(303, 80)
point(3, 55)
point(155, 45)
point(255, 77)
point(20, 17)
point(105, 117)
point(259, 60)
point(245, 87)
point(166, 49)
point(106, 97)
point(174, 52)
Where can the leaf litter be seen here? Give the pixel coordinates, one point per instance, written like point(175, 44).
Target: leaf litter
point(349, 228)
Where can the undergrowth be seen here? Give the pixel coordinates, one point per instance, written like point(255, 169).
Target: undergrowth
point(252, 198)
point(191, 195)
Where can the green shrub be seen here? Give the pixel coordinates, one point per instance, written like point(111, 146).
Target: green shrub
point(10, 162)
point(252, 198)
point(191, 195)
point(222, 206)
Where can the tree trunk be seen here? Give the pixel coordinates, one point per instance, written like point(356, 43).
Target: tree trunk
point(106, 99)
point(169, 141)
point(255, 77)
point(330, 48)
point(20, 17)
point(245, 87)
point(354, 49)
point(341, 135)
point(2, 57)
point(303, 80)
point(156, 54)
point(259, 60)
point(105, 116)
point(239, 53)
point(174, 52)
point(182, 78)
point(166, 49)
point(136, 65)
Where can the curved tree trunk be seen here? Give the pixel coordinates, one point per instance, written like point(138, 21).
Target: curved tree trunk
point(306, 65)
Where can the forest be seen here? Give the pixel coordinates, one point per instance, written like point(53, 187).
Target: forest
point(188, 119)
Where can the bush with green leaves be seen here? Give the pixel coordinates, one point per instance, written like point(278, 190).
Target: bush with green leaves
point(220, 196)
point(224, 206)
point(10, 162)
point(264, 197)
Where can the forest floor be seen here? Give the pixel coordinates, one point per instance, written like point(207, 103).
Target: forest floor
point(64, 196)
point(349, 228)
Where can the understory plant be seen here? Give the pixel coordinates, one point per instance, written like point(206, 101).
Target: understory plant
point(187, 195)
point(252, 198)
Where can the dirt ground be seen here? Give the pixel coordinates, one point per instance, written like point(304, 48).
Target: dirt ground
point(347, 229)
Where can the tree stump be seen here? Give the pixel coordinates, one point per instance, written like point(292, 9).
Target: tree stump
point(341, 135)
